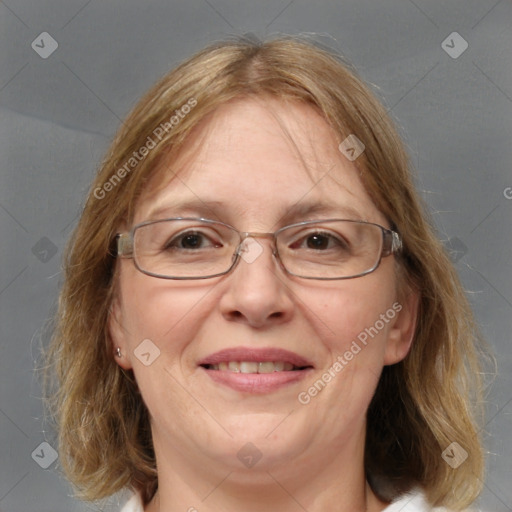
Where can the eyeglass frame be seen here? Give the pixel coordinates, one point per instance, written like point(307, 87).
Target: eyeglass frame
point(125, 245)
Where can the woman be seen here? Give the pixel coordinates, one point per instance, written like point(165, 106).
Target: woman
point(256, 314)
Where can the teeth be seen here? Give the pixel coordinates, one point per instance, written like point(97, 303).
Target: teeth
point(234, 366)
point(253, 366)
point(246, 367)
point(268, 367)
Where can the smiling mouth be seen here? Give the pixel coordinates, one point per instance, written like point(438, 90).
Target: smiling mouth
point(254, 367)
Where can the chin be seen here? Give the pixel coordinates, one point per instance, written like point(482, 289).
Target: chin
point(260, 440)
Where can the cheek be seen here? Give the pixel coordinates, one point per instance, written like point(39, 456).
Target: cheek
point(161, 318)
point(359, 310)
point(166, 312)
point(352, 323)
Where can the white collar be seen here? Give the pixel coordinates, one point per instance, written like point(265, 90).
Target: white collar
point(413, 501)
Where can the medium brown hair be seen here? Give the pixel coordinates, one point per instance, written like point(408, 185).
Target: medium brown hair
point(421, 404)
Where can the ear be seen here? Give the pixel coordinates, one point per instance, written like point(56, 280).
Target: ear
point(401, 334)
point(118, 335)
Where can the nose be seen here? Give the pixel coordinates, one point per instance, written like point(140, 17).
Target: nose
point(256, 292)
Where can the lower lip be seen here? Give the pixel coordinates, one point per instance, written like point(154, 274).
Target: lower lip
point(256, 382)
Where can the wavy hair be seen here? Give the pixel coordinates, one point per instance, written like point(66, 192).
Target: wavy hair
point(422, 404)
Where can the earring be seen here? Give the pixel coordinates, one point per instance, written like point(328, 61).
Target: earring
point(118, 352)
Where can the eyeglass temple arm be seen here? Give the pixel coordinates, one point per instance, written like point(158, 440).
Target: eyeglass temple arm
point(124, 245)
point(392, 243)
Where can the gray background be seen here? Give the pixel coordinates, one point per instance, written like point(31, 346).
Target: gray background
point(59, 113)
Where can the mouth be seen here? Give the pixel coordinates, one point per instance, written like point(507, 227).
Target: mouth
point(254, 366)
point(255, 370)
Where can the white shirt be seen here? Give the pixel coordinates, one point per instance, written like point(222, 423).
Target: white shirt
point(410, 502)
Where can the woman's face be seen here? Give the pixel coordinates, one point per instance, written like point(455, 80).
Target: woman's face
point(259, 165)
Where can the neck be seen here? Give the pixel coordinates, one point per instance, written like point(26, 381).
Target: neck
point(325, 483)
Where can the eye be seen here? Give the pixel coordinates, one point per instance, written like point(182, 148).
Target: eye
point(317, 241)
point(191, 240)
point(320, 241)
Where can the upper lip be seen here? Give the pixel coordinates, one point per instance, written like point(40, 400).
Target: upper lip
point(255, 355)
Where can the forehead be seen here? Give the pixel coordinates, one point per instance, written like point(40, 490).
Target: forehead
point(258, 159)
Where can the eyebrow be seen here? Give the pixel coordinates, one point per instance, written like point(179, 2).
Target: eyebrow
point(297, 212)
point(192, 207)
point(303, 210)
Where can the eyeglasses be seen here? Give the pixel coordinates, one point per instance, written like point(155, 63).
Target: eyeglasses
point(195, 248)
